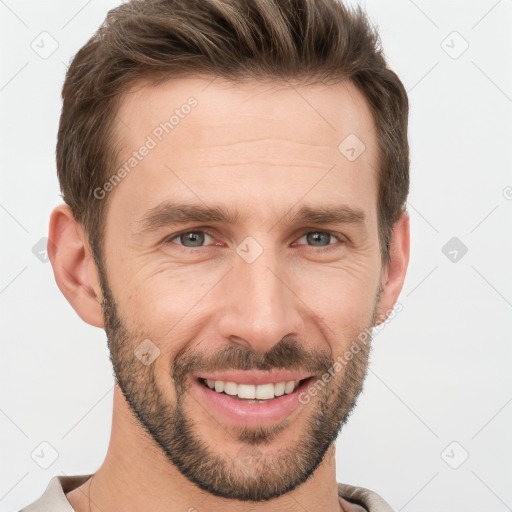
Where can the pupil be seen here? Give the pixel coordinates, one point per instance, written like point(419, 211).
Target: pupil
point(196, 237)
point(316, 237)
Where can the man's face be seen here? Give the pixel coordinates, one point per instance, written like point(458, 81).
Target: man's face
point(263, 292)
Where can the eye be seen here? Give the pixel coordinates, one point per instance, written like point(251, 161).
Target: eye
point(189, 239)
point(321, 239)
point(197, 238)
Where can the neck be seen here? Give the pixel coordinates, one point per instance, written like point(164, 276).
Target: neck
point(136, 475)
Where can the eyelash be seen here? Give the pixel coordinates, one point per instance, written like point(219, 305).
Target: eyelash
point(339, 236)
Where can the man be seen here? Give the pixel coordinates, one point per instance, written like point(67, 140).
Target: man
point(234, 177)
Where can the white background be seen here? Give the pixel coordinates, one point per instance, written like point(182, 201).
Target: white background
point(440, 370)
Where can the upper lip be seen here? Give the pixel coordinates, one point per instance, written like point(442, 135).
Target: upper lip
point(255, 377)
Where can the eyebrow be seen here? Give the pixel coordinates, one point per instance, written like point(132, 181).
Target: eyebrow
point(171, 214)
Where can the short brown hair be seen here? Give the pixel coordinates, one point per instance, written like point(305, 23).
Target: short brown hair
point(320, 41)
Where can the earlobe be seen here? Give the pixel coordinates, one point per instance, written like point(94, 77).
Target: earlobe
point(73, 265)
point(393, 275)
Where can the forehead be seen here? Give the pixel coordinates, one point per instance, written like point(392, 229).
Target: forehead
point(326, 112)
point(261, 144)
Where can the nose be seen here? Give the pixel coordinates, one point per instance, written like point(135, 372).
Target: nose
point(258, 307)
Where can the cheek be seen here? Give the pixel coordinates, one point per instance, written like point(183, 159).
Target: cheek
point(162, 299)
point(341, 296)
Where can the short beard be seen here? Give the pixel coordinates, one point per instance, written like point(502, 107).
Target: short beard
point(251, 475)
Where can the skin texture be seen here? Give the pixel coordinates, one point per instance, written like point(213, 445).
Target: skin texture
point(263, 150)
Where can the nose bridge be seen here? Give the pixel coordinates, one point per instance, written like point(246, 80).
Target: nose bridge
point(260, 309)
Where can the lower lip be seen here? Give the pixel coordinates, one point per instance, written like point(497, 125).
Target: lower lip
point(251, 414)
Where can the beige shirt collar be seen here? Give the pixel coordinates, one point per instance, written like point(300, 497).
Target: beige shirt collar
point(352, 499)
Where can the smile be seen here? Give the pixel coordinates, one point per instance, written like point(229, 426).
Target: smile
point(250, 404)
point(257, 393)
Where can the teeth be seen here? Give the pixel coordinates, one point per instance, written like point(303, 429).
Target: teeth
point(246, 391)
point(252, 392)
point(289, 387)
point(279, 388)
point(230, 388)
point(264, 392)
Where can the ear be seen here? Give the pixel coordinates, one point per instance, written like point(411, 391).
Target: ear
point(73, 265)
point(393, 274)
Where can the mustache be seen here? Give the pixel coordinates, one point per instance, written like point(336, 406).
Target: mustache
point(288, 354)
